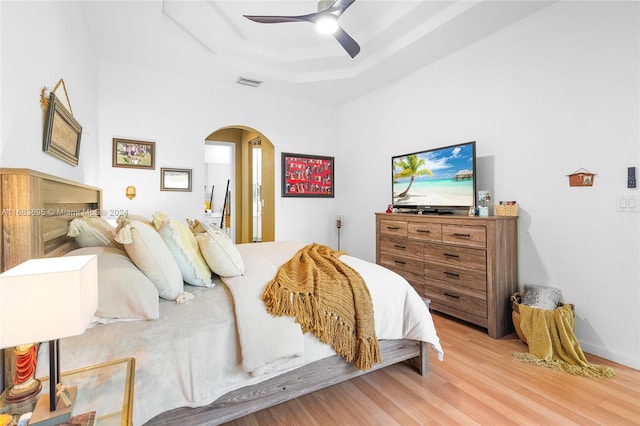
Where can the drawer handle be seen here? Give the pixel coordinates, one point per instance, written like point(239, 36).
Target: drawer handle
point(462, 235)
point(400, 262)
point(392, 228)
point(451, 255)
point(423, 231)
point(398, 246)
point(455, 296)
point(451, 274)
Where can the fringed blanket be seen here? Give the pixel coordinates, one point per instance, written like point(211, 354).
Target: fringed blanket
point(328, 298)
point(552, 343)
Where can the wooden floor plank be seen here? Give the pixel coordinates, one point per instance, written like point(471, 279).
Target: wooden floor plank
point(478, 383)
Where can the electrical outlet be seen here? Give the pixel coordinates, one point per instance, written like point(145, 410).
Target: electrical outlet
point(627, 204)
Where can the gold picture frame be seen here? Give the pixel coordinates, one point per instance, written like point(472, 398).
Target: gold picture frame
point(175, 179)
point(134, 154)
point(62, 133)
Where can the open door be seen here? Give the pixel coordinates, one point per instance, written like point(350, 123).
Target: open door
point(253, 212)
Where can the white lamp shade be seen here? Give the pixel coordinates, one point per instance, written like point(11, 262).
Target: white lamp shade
point(47, 299)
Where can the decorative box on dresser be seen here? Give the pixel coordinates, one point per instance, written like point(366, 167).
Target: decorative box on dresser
point(467, 266)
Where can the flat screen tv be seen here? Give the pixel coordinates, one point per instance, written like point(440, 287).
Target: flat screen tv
point(439, 180)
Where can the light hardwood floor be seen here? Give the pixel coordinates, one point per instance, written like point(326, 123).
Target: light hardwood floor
point(478, 383)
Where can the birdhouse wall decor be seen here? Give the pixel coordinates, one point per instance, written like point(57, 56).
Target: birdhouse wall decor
point(581, 177)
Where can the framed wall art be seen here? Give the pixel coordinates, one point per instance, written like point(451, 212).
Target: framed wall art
point(307, 175)
point(175, 179)
point(62, 132)
point(134, 154)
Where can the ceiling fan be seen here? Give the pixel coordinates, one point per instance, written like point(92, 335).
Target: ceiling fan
point(325, 19)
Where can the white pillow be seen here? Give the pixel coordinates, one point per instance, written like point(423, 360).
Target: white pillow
point(124, 292)
point(93, 231)
point(221, 254)
point(184, 248)
point(138, 217)
point(151, 255)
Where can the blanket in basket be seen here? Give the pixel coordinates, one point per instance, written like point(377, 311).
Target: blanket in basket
point(328, 298)
point(552, 343)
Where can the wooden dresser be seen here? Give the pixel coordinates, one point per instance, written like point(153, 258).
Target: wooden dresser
point(467, 266)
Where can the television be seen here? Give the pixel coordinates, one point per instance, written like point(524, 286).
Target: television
point(440, 180)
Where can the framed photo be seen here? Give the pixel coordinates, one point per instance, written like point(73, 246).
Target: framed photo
point(175, 179)
point(134, 154)
point(307, 175)
point(62, 133)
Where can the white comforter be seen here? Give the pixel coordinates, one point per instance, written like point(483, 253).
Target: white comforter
point(270, 343)
point(191, 355)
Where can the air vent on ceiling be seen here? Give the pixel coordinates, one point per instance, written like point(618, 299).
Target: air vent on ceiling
point(248, 82)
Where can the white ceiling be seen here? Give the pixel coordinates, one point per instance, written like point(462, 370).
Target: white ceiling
point(212, 40)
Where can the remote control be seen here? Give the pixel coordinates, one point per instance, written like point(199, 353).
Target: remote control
point(631, 177)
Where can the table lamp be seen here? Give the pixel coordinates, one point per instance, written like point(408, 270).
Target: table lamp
point(46, 300)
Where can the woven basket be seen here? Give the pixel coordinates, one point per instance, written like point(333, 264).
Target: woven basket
point(516, 299)
point(507, 210)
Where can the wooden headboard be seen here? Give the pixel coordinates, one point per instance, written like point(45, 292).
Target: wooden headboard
point(36, 210)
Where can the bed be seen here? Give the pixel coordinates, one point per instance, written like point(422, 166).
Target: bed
point(192, 362)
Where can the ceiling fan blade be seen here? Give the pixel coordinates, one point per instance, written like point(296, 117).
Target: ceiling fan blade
point(340, 6)
point(348, 43)
point(279, 19)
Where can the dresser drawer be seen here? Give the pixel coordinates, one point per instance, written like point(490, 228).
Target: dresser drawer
point(425, 231)
point(464, 301)
point(402, 264)
point(395, 228)
point(455, 276)
point(401, 247)
point(465, 235)
point(470, 258)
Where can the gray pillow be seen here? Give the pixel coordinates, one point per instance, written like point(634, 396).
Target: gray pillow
point(541, 297)
point(124, 292)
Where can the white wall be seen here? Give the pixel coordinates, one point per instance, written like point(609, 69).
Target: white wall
point(43, 42)
point(178, 114)
point(551, 94)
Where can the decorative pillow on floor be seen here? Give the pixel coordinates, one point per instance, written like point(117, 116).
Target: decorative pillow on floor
point(151, 255)
point(541, 297)
point(93, 231)
point(221, 254)
point(184, 248)
point(124, 292)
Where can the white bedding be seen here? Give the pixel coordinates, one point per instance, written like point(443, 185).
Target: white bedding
point(399, 311)
point(191, 355)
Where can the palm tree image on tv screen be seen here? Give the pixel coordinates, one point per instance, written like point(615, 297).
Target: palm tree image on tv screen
point(435, 178)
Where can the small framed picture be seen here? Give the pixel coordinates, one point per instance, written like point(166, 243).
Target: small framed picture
point(134, 154)
point(307, 175)
point(62, 133)
point(175, 179)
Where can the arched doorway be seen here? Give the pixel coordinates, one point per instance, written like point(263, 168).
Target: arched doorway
point(253, 211)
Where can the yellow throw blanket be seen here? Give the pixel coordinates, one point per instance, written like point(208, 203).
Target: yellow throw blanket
point(552, 343)
point(329, 299)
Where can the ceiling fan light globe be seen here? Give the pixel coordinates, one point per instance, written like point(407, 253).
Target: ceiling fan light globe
point(327, 24)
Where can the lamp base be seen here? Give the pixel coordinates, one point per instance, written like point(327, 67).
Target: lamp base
point(22, 392)
point(43, 417)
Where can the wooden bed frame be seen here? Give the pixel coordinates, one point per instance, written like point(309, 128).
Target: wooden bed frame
point(36, 211)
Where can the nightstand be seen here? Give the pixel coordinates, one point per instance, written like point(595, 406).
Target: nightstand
point(105, 388)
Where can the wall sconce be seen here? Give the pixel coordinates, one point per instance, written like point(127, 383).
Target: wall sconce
point(130, 192)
